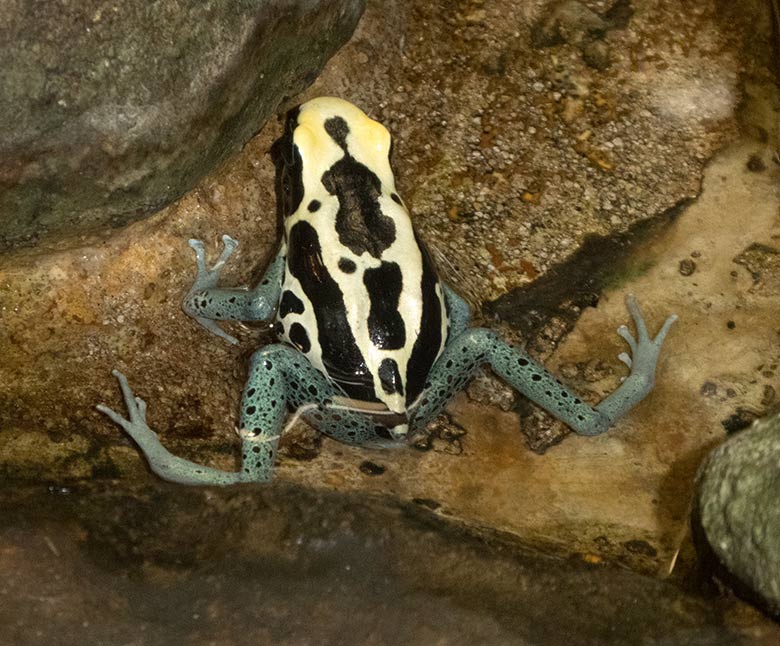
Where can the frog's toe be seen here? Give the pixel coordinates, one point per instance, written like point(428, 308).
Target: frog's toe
point(200, 254)
point(136, 407)
point(636, 314)
point(230, 243)
point(624, 332)
point(659, 338)
point(213, 327)
point(141, 407)
point(113, 416)
point(229, 246)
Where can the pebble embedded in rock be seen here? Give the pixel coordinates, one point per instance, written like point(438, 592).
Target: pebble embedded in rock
point(755, 164)
point(687, 267)
point(371, 468)
point(709, 389)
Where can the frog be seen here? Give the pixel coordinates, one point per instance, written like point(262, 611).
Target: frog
point(372, 342)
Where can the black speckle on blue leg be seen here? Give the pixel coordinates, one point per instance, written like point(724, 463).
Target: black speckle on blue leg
point(476, 346)
point(279, 368)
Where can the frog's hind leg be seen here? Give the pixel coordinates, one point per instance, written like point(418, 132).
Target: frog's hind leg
point(309, 394)
point(279, 370)
point(271, 385)
point(161, 461)
point(476, 346)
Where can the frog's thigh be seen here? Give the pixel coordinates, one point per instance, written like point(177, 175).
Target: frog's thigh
point(458, 310)
point(350, 427)
point(462, 355)
point(479, 345)
point(280, 376)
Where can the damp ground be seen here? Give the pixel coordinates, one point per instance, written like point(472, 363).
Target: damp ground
point(282, 565)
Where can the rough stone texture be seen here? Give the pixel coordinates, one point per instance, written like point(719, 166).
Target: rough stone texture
point(738, 508)
point(68, 318)
point(277, 565)
point(109, 111)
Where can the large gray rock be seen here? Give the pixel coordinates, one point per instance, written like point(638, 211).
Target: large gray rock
point(110, 111)
point(738, 510)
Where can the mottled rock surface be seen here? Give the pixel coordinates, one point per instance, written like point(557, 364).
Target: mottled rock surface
point(109, 111)
point(738, 509)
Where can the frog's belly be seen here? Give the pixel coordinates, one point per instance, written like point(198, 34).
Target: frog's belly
point(377, 411)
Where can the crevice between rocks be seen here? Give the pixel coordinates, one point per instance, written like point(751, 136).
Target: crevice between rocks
point(571, 286)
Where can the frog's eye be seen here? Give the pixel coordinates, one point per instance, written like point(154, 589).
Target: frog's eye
point(289, 183)
point(287, 152)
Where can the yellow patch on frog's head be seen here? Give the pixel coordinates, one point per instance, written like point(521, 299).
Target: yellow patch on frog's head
point(326, 125)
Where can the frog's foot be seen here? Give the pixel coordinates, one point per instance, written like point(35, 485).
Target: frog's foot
point(642, 362)
point(161, 461)
point(208, 278)
point(644, 350)
point(205, 281)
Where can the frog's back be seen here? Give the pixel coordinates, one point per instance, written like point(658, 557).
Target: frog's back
point(361, 298)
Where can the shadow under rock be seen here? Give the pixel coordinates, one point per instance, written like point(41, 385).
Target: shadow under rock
point(284, 565)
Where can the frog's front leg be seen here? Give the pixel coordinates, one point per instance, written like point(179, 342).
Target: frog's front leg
point(477, 346)
point(207, 303)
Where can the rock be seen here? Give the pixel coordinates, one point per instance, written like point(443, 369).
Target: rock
point(755, 164)
point(309, 567)
point(763, 263)
point(568, 22)
point(108, 114)
point(737, 513)
point(68, 318)
point(596, 54)
point(687, 267)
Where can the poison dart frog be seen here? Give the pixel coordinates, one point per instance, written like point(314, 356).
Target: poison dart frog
point(372, 342)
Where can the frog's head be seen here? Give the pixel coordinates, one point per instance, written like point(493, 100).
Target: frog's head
point(334, 159)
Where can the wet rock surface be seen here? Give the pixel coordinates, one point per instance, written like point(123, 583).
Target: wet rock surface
point(110, 112)
point(737, 510)
point(281, 565)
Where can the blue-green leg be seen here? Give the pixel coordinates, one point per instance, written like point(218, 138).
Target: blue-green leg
point(279, 377)
point(458, 311)
point(476, 346)
point(207, 303)
point(279, 374)
point(641, 362)
point(161, 461)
